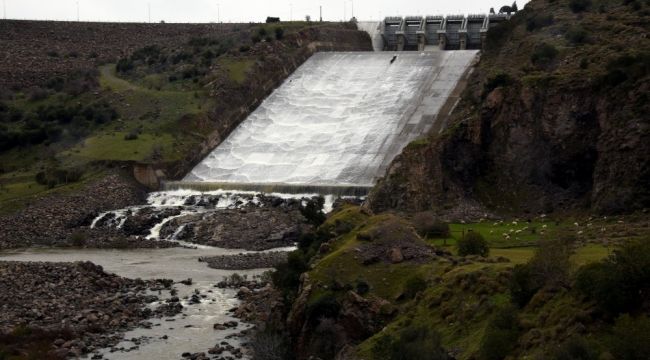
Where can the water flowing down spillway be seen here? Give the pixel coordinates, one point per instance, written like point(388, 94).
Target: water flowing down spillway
point(338, 120)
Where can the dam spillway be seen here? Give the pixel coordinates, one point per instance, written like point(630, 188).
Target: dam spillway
point(338, 121)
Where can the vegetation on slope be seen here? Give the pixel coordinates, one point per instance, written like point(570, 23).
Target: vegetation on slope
point(369, 287)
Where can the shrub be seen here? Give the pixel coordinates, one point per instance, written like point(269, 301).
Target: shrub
point(630, 338)
point(417, 343)
point(269, 345)
point(522, 285)
point(550, 265)
point(55, 83)
point(37, 94)
point(262, 32)
point(576, 35)
point(627, 67)
point(575, 348)
point(543, 54)
point(495, 81)
point(124, 65)
point(362, 287)
point(414, 285)
point(255, 39)
point(53, 176)
point(429, 226)
point(279, 33)
point(244, 48)
point(313, 211)
point(473, 243)
point(78, 239)
point(579, 5)
point(500, 335)
point(324, 306)
point(538, 21)
point(620, 284)
point(132, 135)
point(287, 275)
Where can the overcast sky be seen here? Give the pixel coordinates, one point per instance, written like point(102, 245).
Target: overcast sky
point(235, 10)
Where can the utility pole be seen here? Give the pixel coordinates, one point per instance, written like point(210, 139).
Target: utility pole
point(218, 13)
point(4, 8)
point(321, 13)
point(149, 11)
point(290, 12)
point(77, 11)
point(352, 1)
point(345, 10)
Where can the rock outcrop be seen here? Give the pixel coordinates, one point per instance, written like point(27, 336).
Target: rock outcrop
point(541, 127)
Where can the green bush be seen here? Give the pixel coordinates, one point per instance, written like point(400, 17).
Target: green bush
point(579, 5)
point(417, 343)
point(262, 32)
point(577, 35)
point(501, 335)
point(313, 211)
point(620, 284)
point(132, 135)
point(279, 33)
point(628, 67)
point(522, 285)
point(428, 225)
point(575, 348)
point(543, 54)
point(630, 339)
point(495, 81)
point(362, 287)
point(124, 65)
point(53, 176)
point(78, 239)
point(473, 243)
point(324, 306)
point(549, 266)
point(287, 275)
point(414, 285)
point(538, 21)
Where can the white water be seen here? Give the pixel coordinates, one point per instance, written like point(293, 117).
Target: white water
point(337, 119)
point(178, 198)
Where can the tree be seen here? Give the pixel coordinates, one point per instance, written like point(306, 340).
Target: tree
point(514, 7)
point(473, 243)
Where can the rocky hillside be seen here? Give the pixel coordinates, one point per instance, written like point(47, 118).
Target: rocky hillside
point(382, 287)
point(553, 119)
point(35, 51)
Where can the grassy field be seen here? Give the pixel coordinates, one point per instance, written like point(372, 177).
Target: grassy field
point(164, 121)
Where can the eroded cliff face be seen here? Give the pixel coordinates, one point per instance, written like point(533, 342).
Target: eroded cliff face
point(567, 132)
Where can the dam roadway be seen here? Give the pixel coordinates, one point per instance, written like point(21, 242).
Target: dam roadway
point(336, 123)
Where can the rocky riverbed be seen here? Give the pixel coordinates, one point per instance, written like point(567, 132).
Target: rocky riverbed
point(87, 306)
point(260, 260)
point(206, 328)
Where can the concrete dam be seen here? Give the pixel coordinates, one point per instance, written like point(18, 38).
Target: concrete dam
point(335, 125)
